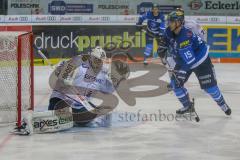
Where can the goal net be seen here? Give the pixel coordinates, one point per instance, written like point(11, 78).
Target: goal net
point(16, 75)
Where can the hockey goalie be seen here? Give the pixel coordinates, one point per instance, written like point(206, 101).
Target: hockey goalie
point(74, 83)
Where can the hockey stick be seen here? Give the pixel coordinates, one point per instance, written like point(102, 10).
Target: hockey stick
point(39, 51)
point(131, 58)
point(150, 34)
point(88, 105)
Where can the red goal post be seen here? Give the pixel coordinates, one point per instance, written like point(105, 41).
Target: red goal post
point(16, 75)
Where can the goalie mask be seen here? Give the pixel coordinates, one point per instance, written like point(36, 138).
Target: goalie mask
point(98, 56)
point(99, 53)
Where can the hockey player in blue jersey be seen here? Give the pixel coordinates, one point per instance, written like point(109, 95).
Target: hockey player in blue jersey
point(155, 27)
point(190, 54)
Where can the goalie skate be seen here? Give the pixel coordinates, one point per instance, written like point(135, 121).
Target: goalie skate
point(22, 130)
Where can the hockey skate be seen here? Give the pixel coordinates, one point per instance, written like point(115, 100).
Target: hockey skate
point(145, 63)
point(226, 109)
point(22, 130)
point(26, 128)
point(186, 112)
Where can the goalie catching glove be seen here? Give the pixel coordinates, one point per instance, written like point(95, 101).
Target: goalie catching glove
point(119, 72)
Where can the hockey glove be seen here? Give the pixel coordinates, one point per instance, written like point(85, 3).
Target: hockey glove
point(162, 48)
point(162, 52)
point(121, 68)
point(119, 71)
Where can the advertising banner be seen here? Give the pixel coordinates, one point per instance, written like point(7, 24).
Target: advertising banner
point(106, 19)
point(233, 20)
point(2, 19)
point(55, 7)
point(224, 41)
point(213, 7)
point(62, 7)
point(67, 41)
point(209, 19)
point(122, 7)
point(25, 7)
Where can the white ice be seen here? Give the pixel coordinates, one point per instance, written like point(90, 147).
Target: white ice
point(215, 137)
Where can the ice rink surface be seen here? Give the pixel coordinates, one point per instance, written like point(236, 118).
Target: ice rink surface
point(215, 137)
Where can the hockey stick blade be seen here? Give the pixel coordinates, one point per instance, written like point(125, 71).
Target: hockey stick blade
point(43, 56)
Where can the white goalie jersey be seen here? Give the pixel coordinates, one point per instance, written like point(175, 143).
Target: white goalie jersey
point(86, 83)
point(83, 82)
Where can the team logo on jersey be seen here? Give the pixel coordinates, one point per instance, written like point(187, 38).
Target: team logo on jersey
point(184, 43)
point(195, 4)
point(93, 78)
point(153, 25)
point(158, 20)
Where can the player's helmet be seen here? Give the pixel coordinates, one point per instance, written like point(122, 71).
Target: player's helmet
point(98, 52)
point(176, 16)
point(180, 10)
point(155, 5)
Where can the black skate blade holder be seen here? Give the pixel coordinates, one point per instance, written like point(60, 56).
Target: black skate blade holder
point(197, 119)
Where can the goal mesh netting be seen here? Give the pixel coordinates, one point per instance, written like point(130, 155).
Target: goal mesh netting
point(16, 75)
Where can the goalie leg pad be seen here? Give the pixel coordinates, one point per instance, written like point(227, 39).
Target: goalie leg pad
point(48, 121)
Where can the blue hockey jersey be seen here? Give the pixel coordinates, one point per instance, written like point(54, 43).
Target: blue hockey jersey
point(155, 24)
point(188, 49)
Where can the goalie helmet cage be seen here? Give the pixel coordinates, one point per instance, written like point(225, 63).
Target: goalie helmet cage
point(16, 76)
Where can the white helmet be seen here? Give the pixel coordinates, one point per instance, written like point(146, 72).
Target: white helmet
point(99, 53)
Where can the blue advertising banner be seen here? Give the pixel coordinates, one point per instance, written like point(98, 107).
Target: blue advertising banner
point(224, 41)
point(61, 8)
